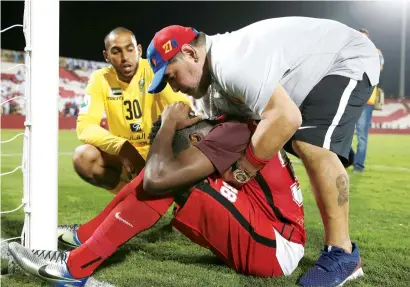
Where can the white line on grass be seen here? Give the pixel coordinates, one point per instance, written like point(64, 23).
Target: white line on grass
point(384, 167)
point(92, 282)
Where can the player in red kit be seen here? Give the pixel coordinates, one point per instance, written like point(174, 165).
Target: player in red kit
point(256, 228)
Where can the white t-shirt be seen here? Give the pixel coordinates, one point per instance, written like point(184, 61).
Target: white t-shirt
point(296, 52)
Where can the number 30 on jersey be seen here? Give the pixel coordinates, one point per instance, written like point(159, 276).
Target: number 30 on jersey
point(133, 110)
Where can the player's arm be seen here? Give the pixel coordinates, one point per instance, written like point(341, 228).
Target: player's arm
point(89, 118)
point(280, 119)
point(165, 170)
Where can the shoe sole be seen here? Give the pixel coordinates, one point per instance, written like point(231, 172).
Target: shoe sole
point(358, 273)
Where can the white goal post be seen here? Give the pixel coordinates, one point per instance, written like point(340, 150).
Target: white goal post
point(41, 29)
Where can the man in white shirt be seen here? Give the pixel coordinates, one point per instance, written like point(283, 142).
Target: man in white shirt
point(307, 81)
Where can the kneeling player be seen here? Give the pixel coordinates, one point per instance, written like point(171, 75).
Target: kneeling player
point(256, 229)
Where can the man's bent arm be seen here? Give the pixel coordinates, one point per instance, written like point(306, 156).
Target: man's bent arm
point(280, 119)
point(165, 171)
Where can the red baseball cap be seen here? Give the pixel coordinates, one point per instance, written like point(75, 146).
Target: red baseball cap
point(163, 47)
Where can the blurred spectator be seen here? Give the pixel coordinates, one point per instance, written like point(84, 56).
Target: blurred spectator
point(74, 109)
point(66, 111)
point(364, 123)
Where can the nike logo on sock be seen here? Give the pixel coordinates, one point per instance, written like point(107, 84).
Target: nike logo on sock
point(42, 271)
point(117, 215)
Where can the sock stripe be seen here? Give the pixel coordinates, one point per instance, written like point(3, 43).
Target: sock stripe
point(91, 262)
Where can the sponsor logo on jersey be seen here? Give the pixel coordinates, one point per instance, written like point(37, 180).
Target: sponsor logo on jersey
point(120, 98)
point(135, 127)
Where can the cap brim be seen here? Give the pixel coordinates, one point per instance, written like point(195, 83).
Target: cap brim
point(157, 84)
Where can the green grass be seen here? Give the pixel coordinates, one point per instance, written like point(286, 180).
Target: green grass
point(379, 223)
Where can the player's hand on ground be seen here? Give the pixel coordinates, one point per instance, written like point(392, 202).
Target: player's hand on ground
point(179, 114)
point(131, 160)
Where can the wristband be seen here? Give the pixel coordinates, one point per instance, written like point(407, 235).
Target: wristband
point(250, 156)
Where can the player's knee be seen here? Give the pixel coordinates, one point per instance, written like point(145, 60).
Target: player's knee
point(85, 157)
point(89, 163)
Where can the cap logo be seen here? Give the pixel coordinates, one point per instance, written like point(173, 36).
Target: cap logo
point(170, 45)
point(167, 47)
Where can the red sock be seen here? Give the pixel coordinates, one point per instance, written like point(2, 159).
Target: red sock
point(130, 217)
point(87, 229)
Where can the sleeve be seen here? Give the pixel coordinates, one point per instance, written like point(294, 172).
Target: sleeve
point(252, 80)
point(168, 96)
point(89, 118)
point(225, 144)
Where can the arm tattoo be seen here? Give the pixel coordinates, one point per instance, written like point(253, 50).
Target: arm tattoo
point(342, 184)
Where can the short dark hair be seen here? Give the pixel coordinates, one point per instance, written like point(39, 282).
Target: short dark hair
point(181, 139)
point(117, 31)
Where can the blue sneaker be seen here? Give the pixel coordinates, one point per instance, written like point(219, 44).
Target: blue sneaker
point(67, 236)
point(50, 266)
point(334, 268)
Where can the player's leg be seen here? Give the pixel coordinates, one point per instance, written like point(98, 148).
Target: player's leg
point(130, 217)
point(331, 109)
point(134, 214)
point(235, 230)
point(73, 236)
point(100, 169)
point(362, 127)
point(97, 167)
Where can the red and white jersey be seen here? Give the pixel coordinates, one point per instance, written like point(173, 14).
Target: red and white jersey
point(275, 189)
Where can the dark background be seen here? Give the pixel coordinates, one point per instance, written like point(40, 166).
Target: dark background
point(84, 24)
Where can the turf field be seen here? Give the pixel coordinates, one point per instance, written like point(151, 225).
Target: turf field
point(379, 223)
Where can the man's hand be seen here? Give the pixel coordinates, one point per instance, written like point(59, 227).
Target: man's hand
point(179, 115)
point(131, 160)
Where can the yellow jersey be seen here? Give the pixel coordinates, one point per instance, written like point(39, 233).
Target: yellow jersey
point(129, 108)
